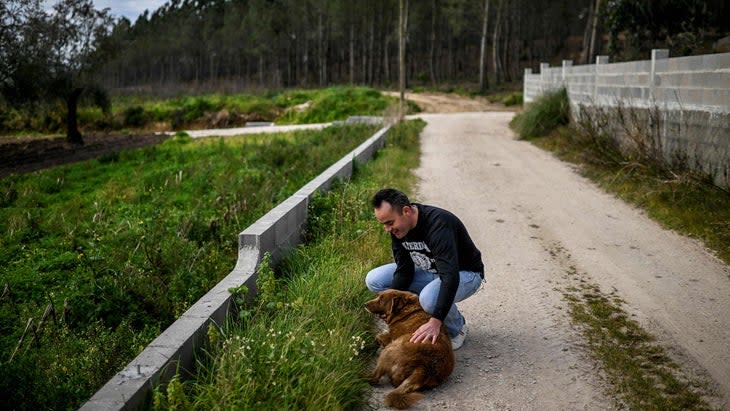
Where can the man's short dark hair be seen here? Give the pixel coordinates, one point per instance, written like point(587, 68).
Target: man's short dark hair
point(395, 198)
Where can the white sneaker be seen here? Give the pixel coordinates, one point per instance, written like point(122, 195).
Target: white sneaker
point(458, 340)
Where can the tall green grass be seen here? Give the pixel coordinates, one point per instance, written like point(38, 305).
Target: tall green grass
point(543, 115)
point(306, 342)
point(122, 245)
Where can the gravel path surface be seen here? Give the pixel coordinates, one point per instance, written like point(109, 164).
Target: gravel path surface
point(534, 218)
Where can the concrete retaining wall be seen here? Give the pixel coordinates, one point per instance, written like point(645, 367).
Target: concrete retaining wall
point(173, 350)
point(688, 97)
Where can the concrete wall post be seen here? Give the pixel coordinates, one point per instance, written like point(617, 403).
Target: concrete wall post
point(544, 82)
point(566, 65)
point(658, 62)
point(525, 97)
point(599, 60)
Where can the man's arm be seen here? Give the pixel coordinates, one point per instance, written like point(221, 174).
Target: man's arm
point(443, 243)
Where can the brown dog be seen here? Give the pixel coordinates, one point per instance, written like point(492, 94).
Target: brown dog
point(411, 367)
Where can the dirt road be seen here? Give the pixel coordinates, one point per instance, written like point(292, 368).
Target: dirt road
point(534, 219)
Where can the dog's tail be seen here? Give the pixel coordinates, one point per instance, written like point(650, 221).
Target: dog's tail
point(407, 392)
point(400, 400)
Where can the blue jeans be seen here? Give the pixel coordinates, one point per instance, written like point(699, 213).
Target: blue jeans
point(427, 286)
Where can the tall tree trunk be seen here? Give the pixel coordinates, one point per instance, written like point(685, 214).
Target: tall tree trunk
point(483, 76)
point(386, 61)
point(495, 42)
point(261, 70)
point(584, 59)
point(352, 53)
point(305, 62)
point(504, 59)
point(432, 51)
point(371, 49)
point(402, 57)
point(450, 57)
point(364, 62)
point(73, 135)
point(594, 46)
point(322, 59)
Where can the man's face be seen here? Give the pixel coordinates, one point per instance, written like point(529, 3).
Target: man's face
point(397, 224)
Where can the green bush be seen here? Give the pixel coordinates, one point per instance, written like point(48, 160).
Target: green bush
point(134, 116)
point(512, 99)
point(543, 115)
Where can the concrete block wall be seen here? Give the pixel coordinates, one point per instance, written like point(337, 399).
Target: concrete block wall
point(690, 94)
point(174, 349)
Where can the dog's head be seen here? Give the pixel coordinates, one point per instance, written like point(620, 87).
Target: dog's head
point(389, 304)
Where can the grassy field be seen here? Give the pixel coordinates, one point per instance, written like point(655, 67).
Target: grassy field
point(114, 249)
point(306, 341)
point(641, 371)
point(130, 114)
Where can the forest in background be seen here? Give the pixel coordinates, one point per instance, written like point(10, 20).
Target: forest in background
point(55, 60)
point(246, 44)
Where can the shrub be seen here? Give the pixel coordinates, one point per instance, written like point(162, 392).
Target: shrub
point(543, 115)
point(134, 116)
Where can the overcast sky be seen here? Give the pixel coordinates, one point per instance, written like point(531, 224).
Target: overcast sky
point(130, 9)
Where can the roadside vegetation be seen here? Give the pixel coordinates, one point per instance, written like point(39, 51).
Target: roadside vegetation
point(642, 373)
point(134, 113)
point(306, 341)
point(96, 258)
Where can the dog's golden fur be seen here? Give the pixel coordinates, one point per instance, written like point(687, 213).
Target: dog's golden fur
point(411, 367)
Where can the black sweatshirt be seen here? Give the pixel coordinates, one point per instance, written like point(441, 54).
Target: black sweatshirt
point(439, 243)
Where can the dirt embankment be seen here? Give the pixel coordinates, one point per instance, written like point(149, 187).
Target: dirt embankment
point(26, 155)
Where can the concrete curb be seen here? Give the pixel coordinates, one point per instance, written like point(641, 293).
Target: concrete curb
point(275, 232)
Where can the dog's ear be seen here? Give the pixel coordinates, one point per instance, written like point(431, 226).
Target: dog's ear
point(397, 304)
point(394, 305)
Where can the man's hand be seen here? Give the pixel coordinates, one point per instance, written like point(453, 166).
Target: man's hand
point(428, 332)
